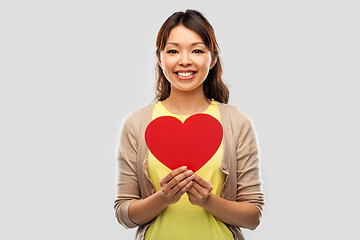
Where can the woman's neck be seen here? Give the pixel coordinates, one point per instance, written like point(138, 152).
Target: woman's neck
point(186, 103)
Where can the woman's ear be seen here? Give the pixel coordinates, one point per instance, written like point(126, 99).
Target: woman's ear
point(159, 62)
point(213, 61)
point(158, 57)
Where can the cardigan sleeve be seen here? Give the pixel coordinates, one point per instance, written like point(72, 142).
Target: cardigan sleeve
point(127, 187)
point(249, 183)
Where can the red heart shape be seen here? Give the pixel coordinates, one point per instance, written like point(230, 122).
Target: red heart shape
point(190, 144)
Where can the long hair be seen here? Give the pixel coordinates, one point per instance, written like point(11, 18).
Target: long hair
point(214, 87)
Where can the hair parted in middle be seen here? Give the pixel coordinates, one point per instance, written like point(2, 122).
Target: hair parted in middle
point(214, 87)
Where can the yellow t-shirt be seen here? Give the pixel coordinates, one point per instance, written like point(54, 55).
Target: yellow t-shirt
point(184, 220)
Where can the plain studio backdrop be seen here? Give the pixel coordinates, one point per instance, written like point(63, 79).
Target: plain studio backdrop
point(70, 71)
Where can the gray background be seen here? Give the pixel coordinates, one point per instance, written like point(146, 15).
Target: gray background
point(70, 71)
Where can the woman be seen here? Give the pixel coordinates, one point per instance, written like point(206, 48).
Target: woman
point(224, 193)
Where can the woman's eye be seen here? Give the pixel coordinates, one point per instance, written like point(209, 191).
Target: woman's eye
point(198, 51)
point(172, 51)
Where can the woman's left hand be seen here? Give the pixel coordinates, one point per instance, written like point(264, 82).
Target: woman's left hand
point(243, 214)
point(200, 191)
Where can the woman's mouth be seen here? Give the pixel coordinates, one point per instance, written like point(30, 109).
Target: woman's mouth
point(185, 75)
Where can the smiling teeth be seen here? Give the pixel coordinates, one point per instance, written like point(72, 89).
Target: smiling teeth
point(185, 74)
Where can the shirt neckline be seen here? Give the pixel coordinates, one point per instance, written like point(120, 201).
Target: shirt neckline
point(207, 110)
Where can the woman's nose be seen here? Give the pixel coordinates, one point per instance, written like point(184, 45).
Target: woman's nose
point(185, 60)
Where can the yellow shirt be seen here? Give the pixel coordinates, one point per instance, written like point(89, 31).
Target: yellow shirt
point(184, 220)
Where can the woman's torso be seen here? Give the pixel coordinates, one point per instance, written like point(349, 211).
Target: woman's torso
point(184, 220)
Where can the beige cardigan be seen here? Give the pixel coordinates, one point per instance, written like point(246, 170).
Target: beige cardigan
point(240, 163)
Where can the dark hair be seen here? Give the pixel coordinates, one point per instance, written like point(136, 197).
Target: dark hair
point(214, 87)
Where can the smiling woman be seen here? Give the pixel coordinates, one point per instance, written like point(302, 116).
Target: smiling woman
point(178, 26)
point(185, 62)
point(223, 193)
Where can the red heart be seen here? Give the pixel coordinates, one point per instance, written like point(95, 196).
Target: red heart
point(190, 144)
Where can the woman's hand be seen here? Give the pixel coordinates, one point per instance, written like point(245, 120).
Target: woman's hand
point(173, 186)
point(242, 214)
point(176, 183)
point(200, 191)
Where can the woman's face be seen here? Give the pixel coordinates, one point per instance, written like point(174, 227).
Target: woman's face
point(185, 60)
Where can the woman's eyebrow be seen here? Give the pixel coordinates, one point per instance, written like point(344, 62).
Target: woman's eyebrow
point(193, 44)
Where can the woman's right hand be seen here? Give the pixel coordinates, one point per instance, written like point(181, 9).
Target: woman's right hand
point(176, 183)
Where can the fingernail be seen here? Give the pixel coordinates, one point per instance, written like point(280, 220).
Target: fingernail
point(184, 168)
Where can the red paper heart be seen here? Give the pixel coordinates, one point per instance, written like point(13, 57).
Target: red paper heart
point(190, 144)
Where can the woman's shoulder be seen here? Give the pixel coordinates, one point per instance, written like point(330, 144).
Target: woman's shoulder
point(236, 120)
point(141, 112)
point(233, 112)
point(138, 116)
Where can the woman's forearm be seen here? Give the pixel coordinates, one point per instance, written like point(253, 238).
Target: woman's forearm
point(144, 210)
point(242, 214)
